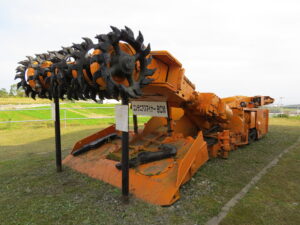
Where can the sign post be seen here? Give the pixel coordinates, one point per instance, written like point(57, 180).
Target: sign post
point(122, 125)
point(159, 109)
point(135, 124)
point(57, 135)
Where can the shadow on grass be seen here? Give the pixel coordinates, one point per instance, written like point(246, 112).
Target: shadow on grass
point(33, 193)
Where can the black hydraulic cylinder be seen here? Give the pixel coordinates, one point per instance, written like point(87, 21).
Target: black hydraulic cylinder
point(57, 135)
point(165, 151)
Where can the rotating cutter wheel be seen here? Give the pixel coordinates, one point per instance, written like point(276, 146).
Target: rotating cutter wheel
point(122, 63)
point(116, 68)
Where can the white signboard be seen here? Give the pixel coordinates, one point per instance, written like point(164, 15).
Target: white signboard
point(158, 109)
point(122, 117)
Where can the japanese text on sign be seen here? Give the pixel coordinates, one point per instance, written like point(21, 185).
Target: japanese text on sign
point(158, 109)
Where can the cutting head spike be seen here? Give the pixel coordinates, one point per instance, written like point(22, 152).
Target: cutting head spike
point(59, 56)
point(33, 94)
point(38, 58)
point(66, 50)
point(115, 30)
point(140, 38)
point(19, 84)
point(129, 32)
point(147, 50)
point(30, 58)
point(88, 41)
point(102, 37)
point(21, 69)
point(19, 75)
point(77, 46)
point(104, 46)
point(76, 54)
point(24, 62)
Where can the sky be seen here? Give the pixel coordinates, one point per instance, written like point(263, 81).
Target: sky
point(226, 47)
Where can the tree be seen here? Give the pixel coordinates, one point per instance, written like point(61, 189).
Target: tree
point(3, 92)
point(16, 92)
point(13, 90)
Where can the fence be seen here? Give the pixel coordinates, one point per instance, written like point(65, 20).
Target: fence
point(63, 115)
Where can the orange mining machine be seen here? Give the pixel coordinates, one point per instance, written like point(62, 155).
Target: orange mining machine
point(186, 128)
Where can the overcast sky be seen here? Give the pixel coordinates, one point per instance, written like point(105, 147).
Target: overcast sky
point(226, 47)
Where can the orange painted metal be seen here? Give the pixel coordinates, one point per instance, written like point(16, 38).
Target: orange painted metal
point(156, 182)
point(203, 125)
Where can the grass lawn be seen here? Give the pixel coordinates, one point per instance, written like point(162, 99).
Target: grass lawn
point(77, 112)
point(69, 110)
point(31, 192)
point(25, 100)
point(275, 199)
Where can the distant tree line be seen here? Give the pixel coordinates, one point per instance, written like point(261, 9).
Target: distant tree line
point(13, 92)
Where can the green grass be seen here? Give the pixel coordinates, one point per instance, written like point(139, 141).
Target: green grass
point(77, 112)
point(70, 113)
point(294, 117)
point(33, 193)
point(275, 199)
point(24, 100)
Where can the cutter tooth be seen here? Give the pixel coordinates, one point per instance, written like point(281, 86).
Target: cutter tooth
point(19, 84)
point(33, 94)
point(129, 32)
point(140, 38)
point(59, 56)
point(38, 59)
point(102, 37)
point(77, 46)
point(116, 30)
point(19, 75)
point(27, 91)
point(30, 58)
point(112, 37)
point(44, 56)
point(104, 46)
point(24, 62)
point(89, 42)
point(21, 69)
point(76, 54)
point(66, 50)
point(147, 50)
